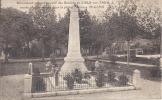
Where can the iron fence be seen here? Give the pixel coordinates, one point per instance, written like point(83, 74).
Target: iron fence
point(75, 81)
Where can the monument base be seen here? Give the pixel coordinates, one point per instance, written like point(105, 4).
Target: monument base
point(72, 63)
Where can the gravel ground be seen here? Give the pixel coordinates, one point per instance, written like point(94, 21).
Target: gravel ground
point(11, 88)
point(150, 91)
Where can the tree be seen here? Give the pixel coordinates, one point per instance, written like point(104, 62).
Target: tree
point(10, 35)
point(89, 30)
point(129, 19)
point(63, 29)
point(85, 26)
point(27, 30)
point(122, 21)
point(97, 35)
point(44, 19)
point(148, 16)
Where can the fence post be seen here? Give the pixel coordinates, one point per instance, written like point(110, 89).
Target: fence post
point(30, 69)
point(28, 83)
point(28, 80)
point(137, 79)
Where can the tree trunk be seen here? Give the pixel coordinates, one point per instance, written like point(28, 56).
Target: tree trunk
point(161, 47)
point(28, 50)
point(128, 52)
point(161, 41)
point(6, 53)
point(43, 49)
point(1, 69)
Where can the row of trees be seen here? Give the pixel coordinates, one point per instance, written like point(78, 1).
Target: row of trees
point(18, 30)
point(123, 21)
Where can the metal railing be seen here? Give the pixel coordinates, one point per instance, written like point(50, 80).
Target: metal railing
point(74, 81)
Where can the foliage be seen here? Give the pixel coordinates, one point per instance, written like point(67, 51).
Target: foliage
point(38, 84)
point(37, 81)
point(119, 19)
point(113, 59)
point(87, 76)
point(155, 72)
point(123, 20)
point(123, 80)
point(63, 29)
point(77, 74)
point(101, 67)
point(43, 14)
point(44, 19)
point(111, 76)
point(70, 81)
point(100, 79)
point(130, 19)
point(148, 17)
point(85, 27)
point(15, 29)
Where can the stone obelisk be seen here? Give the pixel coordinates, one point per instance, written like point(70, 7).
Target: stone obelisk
point(74, 59)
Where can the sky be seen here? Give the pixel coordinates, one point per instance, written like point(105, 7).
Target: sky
point(94, 10)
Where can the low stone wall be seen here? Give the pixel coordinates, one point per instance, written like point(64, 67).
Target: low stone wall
point(76, 92)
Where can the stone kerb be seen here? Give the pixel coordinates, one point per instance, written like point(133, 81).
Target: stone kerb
point(137, 79)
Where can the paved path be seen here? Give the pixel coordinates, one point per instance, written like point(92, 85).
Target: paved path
point(149, 56)
point(143, 56)
point(134, 64)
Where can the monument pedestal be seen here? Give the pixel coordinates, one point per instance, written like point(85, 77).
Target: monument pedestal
point(73, 63)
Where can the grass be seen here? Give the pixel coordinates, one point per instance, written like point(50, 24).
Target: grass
point(16, 68)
